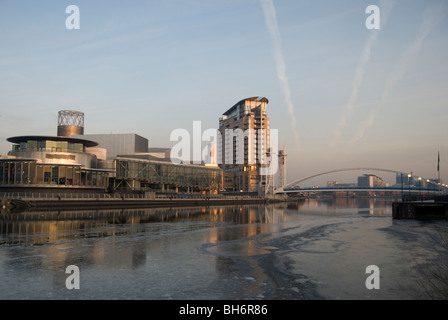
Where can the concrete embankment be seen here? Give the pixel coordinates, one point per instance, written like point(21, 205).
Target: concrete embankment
point(70, 204)
point(420, 210)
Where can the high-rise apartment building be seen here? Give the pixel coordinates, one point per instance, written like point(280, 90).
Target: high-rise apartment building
point(244, 142)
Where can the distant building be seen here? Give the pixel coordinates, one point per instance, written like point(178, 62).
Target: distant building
point(370, 180)
point(244, 144)
point(401, 178)
point(281, 181)
point(336, 184)
point(331, 184)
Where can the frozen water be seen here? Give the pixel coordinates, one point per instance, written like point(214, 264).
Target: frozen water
point(312, 250)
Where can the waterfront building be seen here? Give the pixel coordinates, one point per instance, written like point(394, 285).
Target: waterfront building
point(244, 142)
point(144, 172)
point(53, 163)
point(137, 168)
point(74, 162)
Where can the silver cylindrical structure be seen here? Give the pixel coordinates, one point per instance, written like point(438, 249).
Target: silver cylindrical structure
point(70, 123)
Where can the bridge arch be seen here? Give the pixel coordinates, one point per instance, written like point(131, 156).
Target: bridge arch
point(281, 189)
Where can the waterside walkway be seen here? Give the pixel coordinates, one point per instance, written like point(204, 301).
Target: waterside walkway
point(11, 201)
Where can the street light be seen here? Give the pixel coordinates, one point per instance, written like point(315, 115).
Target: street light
point(420, 187)
point(409, 184)
point(433, 189)
point(402, 196)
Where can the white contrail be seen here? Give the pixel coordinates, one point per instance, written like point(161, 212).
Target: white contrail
point(397, 73)
point(385, 8)
point(359, 73)
point(272, 25)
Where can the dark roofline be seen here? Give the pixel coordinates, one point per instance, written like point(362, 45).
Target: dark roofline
point(257, 98)
point(19, 139)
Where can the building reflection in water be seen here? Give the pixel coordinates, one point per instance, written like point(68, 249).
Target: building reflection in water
point(123, 239)
point(350, 205)
point(374, 206)
point(157, 239)
point(30, 228)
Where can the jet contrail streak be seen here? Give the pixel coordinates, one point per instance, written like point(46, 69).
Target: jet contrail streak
point(272, 25)
point(359, 74)
point(400, 68)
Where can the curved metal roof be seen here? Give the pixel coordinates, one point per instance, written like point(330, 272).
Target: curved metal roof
point(256, 98)
point(19, 139)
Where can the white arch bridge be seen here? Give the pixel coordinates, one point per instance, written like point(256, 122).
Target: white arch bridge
point(414, 183)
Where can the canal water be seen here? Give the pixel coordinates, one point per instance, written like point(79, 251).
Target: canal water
point(316, 249)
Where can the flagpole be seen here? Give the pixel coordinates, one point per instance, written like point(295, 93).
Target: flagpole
point(438, 170)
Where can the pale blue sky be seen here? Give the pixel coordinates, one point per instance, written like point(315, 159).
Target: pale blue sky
point(359, 97)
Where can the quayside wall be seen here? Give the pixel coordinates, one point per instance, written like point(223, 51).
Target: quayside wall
point(420, 210)
point(103, 203)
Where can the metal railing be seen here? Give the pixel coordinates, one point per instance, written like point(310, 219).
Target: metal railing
point(48, 195)
point(57, 196)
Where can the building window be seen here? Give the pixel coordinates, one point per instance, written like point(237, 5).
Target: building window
point(47, 175)
point(12, 173)
point(89, 178)
point(32, 173)
point(61, 176)
point(25, 172)
point(69, 176)
point(83, 178)
point(1, 172)
point(77, 177)
point(54, 175)
point(41, 145)
point(39, 174)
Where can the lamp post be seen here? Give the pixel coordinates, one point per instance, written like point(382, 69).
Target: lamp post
point(420, 187)
point(409, 184)
point(427, 187)
point(402, 196)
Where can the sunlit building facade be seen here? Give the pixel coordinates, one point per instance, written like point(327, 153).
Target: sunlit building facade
point(146, 172)
point(115, 163)
point(244, 143)
point(48, 162)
